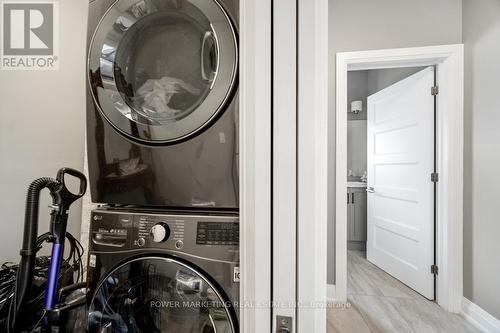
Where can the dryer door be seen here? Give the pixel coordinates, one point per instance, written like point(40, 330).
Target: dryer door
point(157, 294)
point(161, 71)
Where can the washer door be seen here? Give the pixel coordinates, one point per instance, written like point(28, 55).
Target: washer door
point(157, 294)
point(159, 70)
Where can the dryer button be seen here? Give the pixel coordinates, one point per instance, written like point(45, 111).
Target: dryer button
point(179, 244)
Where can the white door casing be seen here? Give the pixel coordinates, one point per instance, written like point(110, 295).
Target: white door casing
point(400, 161)
point(310, 55)
point(255, 165)
point(284, 177)
point(449, 62)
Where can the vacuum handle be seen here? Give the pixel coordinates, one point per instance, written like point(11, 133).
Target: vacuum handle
point(66, 192)
point(63, 198)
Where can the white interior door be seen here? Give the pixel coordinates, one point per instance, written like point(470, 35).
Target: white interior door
point(400, 191)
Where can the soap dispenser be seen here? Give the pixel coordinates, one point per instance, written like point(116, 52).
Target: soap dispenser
point(364, 177)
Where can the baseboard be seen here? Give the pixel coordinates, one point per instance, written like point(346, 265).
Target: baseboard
point(356, 246)
point(481, 319)
point(330, 293)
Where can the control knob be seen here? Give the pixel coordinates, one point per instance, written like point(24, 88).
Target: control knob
point(160, 232)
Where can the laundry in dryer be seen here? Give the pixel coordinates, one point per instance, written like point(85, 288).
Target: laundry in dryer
point(155, 95)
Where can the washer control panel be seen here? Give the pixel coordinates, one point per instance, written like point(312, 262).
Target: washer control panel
point(159, 229)
point(198, 235)
point(112, 231)
point(217, 233)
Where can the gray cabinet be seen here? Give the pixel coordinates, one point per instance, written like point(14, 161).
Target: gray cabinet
point(356, 214)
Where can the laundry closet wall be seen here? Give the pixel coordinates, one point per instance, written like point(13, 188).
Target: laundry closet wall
point(42, 128)
point(481, 33)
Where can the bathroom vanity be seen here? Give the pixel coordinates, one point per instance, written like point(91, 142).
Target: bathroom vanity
point(356, 215)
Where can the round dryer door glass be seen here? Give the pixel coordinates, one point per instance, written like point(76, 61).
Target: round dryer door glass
point(161, 71)
point(159, 295)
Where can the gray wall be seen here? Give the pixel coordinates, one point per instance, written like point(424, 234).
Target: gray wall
point(361, 84)
point(357, 90)
point(42, 128)
point(356, 149)
point(378, 79)
point(377, 24)
point(481, 34)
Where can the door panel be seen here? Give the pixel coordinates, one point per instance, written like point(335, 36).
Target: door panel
point(400, 163)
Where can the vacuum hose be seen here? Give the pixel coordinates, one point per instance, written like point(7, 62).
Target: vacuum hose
point(29, 249)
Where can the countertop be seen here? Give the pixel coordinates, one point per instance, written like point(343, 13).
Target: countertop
point(356, 184)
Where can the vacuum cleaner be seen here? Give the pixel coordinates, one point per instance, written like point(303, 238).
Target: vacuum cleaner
point(22, 315)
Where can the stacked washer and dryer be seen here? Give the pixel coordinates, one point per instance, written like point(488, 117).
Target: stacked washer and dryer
point(162, 143)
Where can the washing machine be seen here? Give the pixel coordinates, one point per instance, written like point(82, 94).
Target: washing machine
point(162, 272)
point(162, 103)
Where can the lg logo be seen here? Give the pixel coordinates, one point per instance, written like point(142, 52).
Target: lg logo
point(29, 34)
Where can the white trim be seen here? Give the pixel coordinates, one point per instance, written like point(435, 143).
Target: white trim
point(312, 165)
point(284, 159)
point(449, 61)
point(255, 164)
point(340, 173)
point(478, 317)
point(330, 293)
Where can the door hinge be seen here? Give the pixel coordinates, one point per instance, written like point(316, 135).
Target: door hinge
point(434, 90)
point(434, 177)
point(434, 269)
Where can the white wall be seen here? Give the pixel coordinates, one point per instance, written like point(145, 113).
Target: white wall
point(481, 33)
point(42, 128)
point(377, 24)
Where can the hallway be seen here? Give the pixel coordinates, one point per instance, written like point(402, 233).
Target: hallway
point(381, 304)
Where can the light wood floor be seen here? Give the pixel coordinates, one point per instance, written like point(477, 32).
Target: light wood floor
point(381, 304)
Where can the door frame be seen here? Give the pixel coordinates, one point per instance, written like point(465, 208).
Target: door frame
point(255, 165)
point(312, 164)
point(304, 145)
point(449, 63)
point(284, 174)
